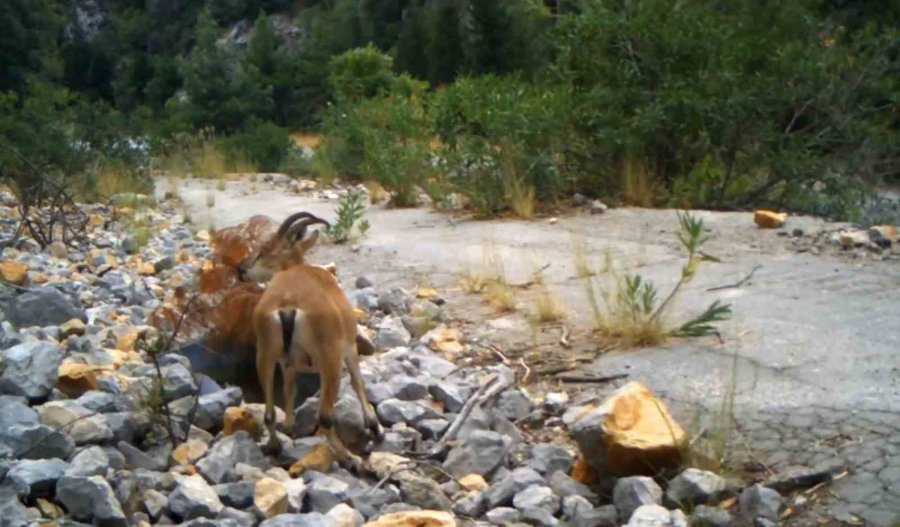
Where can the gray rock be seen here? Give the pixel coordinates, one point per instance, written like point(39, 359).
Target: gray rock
point(480, 453)
point(547, 459)
point(760, 502)
point(12, 512)
point(656, 516)
point(156, 503)
point(219, 464)
point(395, 411)
point(211, 408)
point(90, 499)
point(91, 430)
point(324, 492)
point(362, 282)
point(579, 512)
point(633, 492)
point(127, 426)
point(379, 392)
point(31, 370)
point(33, 441)
point(399, 507)
point(97, 401)
point(471, 505)
point(503, 516)
point(164, 264)
point(555, 403)
point(36, 477)
point(207, 522)
point(502, 492)
point(92, 461)
point(312, 519)
point(580, 200)
point(537, 503)
point(394, 301)
point(149, 479)
point(14, 410)
point(392, 334)
point(450, 395)
point(513, 404)
point(177, 382)
point(705, 516)
point(194, 498)
point(41, 307)
point(135, 458)
point(238, 494)
point(423, 492)
point(369, 501)
point(408, 388)
point(9, 337)
point(241, 518)
point(432, 428)
point(598, 207)
point(563, 485)
point(695, 487)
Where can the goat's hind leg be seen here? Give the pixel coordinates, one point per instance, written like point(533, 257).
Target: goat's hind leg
point(265, 367)
point(331, 381)
point(351, 359)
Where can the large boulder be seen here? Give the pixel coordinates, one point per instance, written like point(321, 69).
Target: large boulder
point(41, 307)
point(31, 369)
point(629, 433)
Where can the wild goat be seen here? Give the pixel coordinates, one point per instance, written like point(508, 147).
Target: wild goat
point(304, 323)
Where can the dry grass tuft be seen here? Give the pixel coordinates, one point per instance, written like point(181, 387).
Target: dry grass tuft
point(547, 307)
point(638, 187)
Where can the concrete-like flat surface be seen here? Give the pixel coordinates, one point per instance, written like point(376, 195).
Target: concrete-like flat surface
point(816, 337)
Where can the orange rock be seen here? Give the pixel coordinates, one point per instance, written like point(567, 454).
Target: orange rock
point(767, 219)
point(39, 278)
point(270, 497)
point(14, 272)
point(72, 327)
point(240, 418)
point(188, 452)
point(630, 433)
point(474, 482)
point(95, 220)
point(582, 472)
point(75, 379)
point(320, 460)
point(146, 269)
point(426, 293)
point(424, 518)
point(127, 342)
point(232, 246)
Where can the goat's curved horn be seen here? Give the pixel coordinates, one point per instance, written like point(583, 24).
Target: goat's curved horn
point(297, 231)
point(290, 220)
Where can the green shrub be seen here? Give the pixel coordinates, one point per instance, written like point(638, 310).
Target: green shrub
point(264, 144)
point(727, 104)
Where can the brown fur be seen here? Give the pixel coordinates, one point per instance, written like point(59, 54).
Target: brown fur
point(324, 337)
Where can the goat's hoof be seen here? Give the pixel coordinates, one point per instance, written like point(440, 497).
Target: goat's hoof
point(272, 448)
point(354, 464)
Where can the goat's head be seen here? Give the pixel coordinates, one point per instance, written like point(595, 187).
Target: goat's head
point(286, 248)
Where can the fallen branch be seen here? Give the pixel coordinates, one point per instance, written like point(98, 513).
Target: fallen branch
point(597, 380)
point(485, 393)
point(564, 337)
point(738, 283)
point(803, 481)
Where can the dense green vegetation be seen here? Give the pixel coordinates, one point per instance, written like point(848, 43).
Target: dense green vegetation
point(511, 104)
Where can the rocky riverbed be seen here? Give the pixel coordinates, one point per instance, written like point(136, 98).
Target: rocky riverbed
point(95, 430)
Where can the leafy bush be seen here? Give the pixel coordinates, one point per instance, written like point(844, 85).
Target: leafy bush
point(263, 144)
point(728, 104)
point(350, 212)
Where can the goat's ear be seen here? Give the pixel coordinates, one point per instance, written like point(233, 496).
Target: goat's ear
point(307, 244)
